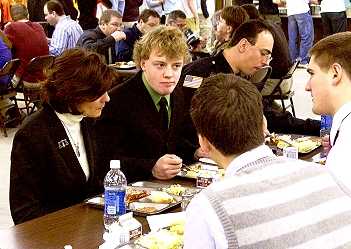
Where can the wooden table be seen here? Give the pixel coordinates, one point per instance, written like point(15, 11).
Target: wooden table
point(80, 226)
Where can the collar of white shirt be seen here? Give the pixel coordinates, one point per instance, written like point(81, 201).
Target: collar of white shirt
point(337, 120)
point(248, 157)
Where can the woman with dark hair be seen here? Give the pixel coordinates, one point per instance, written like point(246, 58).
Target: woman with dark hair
point(53, 159)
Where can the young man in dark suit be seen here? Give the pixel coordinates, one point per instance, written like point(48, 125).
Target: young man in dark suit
point(146, 124)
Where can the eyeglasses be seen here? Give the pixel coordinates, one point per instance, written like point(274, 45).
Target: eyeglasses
point(117, 24)
point(267, 54)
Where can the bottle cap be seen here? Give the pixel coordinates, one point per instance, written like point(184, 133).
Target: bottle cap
point(115, 164)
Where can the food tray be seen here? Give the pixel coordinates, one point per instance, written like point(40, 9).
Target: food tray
point(193, 170)
point(145, 202)
point(124, 65)
point(163, 187)
point(316, 140)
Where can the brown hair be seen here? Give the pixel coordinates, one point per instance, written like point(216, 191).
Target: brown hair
point(146, 13)
point(77, 76)
point(56, 6)
point(252, 11)
point(18, 12)
point(249, 30)
point(107, 14)
point(176, 14)
point(168, 41)
point(333, 49)
point(227, 110)
point(234, 16)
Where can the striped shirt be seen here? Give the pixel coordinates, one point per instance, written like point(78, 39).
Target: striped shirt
point(271, 203)
point(65, 36)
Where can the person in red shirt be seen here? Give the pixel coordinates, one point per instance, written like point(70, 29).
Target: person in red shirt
point(28, 40)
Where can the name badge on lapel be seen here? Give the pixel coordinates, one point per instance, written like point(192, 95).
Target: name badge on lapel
point(63, 143)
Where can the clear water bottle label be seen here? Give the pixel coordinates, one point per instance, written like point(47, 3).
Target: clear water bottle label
point(115, 202)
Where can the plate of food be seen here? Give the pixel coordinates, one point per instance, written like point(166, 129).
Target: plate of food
point(142, 201)
point(171, 237)
point(124, 65)
point(304, 144)
point(194, 170)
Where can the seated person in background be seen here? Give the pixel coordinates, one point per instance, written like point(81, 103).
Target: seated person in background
point(146, 124)
point(35, 41)
point(281, 61)
point(330, 87)
point(53, 158)
point(148, 20)
point(67, 31)
point(248, 50)
point(5, 56)
point(263, 200)
point(230, 19)
point(177, 18)
point(102, 39)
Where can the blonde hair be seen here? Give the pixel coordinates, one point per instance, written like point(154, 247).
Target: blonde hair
point(167, 41)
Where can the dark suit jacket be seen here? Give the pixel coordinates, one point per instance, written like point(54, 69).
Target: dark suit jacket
point(95, 40)
point(130, 130)
point(44, 177)
point(280, 122)
point(125, 47)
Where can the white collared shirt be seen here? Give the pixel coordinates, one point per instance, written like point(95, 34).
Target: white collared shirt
point(338, 160)
point(203, 229)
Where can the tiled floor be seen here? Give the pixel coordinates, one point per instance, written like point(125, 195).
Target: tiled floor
point(302, 102)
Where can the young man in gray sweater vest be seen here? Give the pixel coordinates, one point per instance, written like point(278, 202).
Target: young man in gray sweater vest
point(264, 201)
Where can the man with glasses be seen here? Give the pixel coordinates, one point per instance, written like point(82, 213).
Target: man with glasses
point(148, 20)
point(248, 51)
point(102, 39)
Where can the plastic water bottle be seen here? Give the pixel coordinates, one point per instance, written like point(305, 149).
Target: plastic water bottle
point(115, 184)
point(326, 124)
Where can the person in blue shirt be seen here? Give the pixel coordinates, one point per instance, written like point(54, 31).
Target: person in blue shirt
point(148, 20)
point(5, 56)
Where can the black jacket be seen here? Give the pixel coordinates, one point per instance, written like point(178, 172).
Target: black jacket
point(277, 121)
point(45, 176)
point(95, 40)
point(125, 47)
point(130, 130)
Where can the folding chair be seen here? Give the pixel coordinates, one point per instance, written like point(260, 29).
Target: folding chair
point(31, 90)
point(277, 93)
point(9, 94)
point(260, 77)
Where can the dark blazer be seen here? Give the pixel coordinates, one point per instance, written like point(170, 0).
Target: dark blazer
point(280, 122)
point(125, 47)
point(95, 40)
point(130, 130)
point(45, 176)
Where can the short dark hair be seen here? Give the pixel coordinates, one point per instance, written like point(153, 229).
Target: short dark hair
point(227, 110)
point(333, 49)
point(251, 10)
point(234, 16)
point(146, 13)
point(176, 14)
point(56, 6)
point(77, 76)
point(249, 30)
point(18, 12)
point(107, 14)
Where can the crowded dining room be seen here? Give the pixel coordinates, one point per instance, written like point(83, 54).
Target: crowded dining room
point(171, 124)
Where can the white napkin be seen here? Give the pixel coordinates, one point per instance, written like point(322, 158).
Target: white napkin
point(159, 221)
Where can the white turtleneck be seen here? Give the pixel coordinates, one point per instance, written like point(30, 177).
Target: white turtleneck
point(71, 124)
